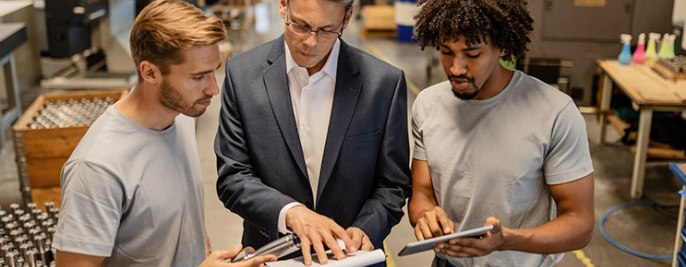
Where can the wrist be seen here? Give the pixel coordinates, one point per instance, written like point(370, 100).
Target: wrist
point(510, 239)
point(292, 214)
point(282, 220)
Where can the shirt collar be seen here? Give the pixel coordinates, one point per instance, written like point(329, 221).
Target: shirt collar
point(329, 68)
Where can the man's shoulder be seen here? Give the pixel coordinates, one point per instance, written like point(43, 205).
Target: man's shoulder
point(541, 93)
point(104, 139)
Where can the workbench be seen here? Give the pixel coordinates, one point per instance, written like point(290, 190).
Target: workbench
point(648, 91)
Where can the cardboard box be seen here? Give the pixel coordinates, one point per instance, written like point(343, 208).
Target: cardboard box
point(379, 18)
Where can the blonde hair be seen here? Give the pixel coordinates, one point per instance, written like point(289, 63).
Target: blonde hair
point(165, 28)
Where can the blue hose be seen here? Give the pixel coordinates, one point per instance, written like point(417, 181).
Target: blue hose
point(623, 248)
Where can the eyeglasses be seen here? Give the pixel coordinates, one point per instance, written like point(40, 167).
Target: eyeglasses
point(305, 30)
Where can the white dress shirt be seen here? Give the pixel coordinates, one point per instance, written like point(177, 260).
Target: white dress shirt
point(312, 99)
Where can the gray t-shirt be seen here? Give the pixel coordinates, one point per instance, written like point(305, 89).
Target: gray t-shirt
point(495, 157)
point(134, 195)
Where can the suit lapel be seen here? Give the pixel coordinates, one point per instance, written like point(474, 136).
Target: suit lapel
point(346, 93)
point(276, 83)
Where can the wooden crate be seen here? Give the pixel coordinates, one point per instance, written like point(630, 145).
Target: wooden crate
point(41, 153)
point(40, 195)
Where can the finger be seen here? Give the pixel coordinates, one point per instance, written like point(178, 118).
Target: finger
point(356, 237)
point(463, 242)
point(492, 221)
point(343, 235)
point(418, 233)
point(307, 256)
point(367, 244)
point(462, 251)
point(433, 225)
point(227, 254)
point(447, 225)
point(249, 250)
point(333, 245)
point(426, 231)
point(222, 255)
point(260, 260)
point(497, 225)
point(321, 253)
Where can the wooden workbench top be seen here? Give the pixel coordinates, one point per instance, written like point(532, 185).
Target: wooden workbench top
point(644, 85)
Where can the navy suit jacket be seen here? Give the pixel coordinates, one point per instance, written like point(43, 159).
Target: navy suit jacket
point(365, 175)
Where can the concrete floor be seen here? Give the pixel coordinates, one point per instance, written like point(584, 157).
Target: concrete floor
point(638, 228)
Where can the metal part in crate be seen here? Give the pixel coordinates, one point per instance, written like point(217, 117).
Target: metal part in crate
point(25, 236)
point(61, 114)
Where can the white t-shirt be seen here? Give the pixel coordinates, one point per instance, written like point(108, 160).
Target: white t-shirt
point(134, 195)
point(497, 156)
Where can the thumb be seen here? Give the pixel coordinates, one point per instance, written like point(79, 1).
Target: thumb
point(227, 254)
point(492, 221)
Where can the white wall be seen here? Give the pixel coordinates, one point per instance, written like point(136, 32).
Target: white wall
point(679, 10)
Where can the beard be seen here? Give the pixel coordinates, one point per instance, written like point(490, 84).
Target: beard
point(464, 95)
point(171, 98)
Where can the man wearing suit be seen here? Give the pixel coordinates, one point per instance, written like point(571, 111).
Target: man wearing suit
point(313, 136)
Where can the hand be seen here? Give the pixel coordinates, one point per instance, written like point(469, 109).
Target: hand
point(360, 240)
point(218, 259)
point(468, 247)
point(433, 223)
point(316, 230)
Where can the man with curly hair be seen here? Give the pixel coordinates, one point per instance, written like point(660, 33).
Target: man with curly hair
point(495, 146)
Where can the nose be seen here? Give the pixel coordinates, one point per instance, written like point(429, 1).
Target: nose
point(212, 88)
point(459, 66)
point(310, 39)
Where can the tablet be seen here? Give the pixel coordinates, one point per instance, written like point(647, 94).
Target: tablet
point(419, 246)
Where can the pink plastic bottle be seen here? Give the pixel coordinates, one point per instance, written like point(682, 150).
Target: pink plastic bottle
point(640, 55)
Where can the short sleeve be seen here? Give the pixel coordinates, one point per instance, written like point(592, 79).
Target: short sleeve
point(568, 157)
point(417, 132)
point(92, 204)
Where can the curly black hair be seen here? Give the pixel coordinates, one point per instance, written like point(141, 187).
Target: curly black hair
point(506, 22)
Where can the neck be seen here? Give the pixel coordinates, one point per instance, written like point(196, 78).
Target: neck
point(143, 107)
point(496, 83)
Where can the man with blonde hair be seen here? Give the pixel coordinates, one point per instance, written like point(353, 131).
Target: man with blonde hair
point(131, 191)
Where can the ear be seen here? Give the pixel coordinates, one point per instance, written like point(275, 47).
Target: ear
point(150, 72)
point(502, 53)
point(348, 16)
point(282, 8)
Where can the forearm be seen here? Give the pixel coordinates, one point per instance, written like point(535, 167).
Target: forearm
point(565, 233)
point(68, 259)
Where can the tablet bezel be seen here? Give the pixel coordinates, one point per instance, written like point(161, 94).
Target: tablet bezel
point(419, 246)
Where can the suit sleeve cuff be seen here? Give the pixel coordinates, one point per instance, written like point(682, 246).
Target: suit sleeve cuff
point(282, 217)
